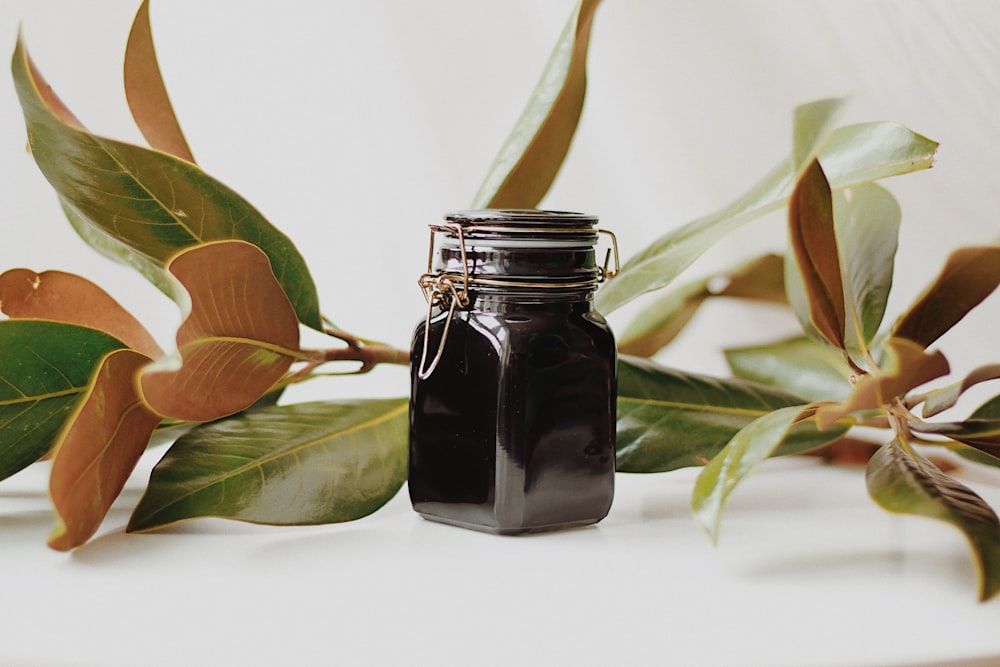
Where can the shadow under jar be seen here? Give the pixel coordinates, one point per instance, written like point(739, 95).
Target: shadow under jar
point(513, 375)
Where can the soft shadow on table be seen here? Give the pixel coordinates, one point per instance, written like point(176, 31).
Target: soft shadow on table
point(948, 569)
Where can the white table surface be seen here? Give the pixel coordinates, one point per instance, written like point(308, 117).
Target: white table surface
point(808, 572)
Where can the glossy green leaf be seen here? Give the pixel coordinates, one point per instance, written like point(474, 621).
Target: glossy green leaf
point(146, 93)
point(751, 446)
point(669, 419)
point(659, 323)
point(531, 157)
point(111, 248)
point(800, 366)
point(850, 156)
point(867, 218)
point(44, 369)
point(939, 400)
point(969, 276)
point(150, 203)
point(308, 463)
point(98, 449)
point(813, 241)
point(901, 480)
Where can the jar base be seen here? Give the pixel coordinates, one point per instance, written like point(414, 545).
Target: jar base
point(503, 530)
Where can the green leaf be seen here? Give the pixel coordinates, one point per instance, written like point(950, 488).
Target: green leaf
point(969, 276)
point(981, 430)
point(903, 481)
point(534, 151)
point(148, 202)
point(750, 447)
point(975, 455)
point(798, 365)
point(813, 123)
point(658, 324)
point(867, 219)
point(308, 463)
point(146, 93)
point(669, 419)
point(111, 248)
point(850, 156)
point(939, 400)
point(44, 368)
point(813, 240)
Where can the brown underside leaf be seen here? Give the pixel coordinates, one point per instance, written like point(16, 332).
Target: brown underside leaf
point(237, 341)
point(813, 239)
point(533, 153)
point(969, 276)
point(98, 449)
point(908, 366)
point(146, 93)
point(69, 298)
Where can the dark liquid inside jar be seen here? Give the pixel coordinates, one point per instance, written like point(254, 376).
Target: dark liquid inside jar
point(514, 428)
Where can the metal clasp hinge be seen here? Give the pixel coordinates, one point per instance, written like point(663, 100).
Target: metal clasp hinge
point(438, 289)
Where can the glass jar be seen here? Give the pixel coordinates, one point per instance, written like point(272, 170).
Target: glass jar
point(513, 375)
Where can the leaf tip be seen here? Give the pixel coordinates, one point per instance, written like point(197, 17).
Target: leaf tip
point(59, 538)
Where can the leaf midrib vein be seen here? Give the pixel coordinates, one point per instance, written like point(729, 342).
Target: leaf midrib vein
point(260, 463)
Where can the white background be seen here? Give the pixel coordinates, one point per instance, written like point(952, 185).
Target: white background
point(351, 126)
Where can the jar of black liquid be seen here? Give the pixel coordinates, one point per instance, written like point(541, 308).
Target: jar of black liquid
point(513, 375)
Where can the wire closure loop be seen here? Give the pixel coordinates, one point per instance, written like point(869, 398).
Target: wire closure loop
point(450, 290)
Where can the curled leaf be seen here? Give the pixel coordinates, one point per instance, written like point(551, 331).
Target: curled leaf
point(146, 93)
point(901, 480)
point(813, 241)
point(142, 206)
point(658, 324)
point(939, 400)
point(237, 340)
point(45, 367)
point(307, 463)
point(969, 276)
point(98, 449)
point(531, 157)
point(65, 297)
point(669, 419)
point(907, 366)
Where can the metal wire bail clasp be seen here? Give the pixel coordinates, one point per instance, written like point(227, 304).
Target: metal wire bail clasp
point(441, 289)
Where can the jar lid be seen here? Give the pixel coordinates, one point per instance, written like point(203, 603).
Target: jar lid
point(521, 217)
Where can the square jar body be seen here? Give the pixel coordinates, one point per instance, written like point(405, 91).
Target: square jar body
point(514, 431)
